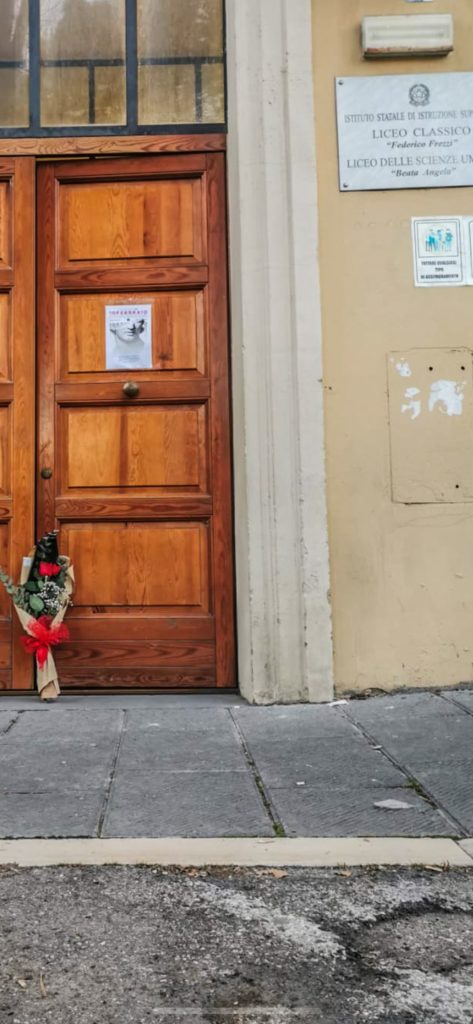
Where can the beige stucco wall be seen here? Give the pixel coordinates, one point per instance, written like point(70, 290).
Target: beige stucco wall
point(402, 574)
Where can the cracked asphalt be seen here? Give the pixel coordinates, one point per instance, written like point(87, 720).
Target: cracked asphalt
point(136, 945)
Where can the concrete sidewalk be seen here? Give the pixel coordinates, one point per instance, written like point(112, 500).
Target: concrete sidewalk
point(212, 767)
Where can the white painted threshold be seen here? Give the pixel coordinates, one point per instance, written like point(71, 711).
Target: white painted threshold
point(307, 852)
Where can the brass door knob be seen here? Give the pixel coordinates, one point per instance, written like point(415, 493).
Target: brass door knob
point(130, 389)
point(46, 473)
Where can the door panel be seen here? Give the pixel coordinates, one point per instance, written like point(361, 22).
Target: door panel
point(5, 449)
point(123, 233)
point(5, 606)
point(179, 550)
point(140, 448)
point(5, 335)
point(7, 226)
point(17, 204)
point(179, 331)
point(141, 486)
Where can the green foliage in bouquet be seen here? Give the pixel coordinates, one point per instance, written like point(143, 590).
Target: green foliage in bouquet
point(16, 593)
point(43, 593)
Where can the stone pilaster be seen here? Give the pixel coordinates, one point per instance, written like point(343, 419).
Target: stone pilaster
point(284, 627)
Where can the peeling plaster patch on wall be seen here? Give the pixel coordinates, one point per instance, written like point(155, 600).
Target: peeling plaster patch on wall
point(412, 404)
point(449, 395)
point(431, 425)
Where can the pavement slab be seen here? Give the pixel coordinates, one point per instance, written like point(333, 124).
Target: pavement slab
point(180, 739)
point(293, 722)
point(335, 811)
point(37, 812)
point(345, 760)
point(432, 739)
point(452, 790)
point(323, 777)
point(183, 771)
point(463, 698)
point(55, 772)
point(416, 729)
point(229, 946)
point(186, 803)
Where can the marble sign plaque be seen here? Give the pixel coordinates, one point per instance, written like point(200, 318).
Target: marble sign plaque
point(405, 131)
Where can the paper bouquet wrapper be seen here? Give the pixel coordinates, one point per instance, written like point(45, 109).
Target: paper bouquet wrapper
point(48, 673)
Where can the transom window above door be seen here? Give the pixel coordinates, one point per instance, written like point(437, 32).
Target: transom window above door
point(111, 67)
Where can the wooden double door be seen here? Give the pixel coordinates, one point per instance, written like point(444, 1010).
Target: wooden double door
point(120, 438)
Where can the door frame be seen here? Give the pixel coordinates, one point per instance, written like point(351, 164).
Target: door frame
point(118, 145)
point(30, 153)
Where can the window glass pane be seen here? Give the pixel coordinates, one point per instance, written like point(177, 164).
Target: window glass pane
point(83, 78)
point(14, 98)
point(180, 58)
point(167, 94)
point(213, 93)
point(180, 28)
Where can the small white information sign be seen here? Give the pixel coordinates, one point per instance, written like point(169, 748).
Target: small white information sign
point(468, 247)
point(438, 251)
point(405, 131)
point(128, 334)
point(443, 251)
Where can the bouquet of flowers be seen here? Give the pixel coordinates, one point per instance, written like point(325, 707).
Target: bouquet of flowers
point(41, 600)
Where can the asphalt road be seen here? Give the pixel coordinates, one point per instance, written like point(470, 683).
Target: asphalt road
point(135, 945)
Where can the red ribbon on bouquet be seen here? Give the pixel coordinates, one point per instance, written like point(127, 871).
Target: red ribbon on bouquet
point(44, 636)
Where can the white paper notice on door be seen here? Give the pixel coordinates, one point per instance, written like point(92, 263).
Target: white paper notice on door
point(128, 337)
